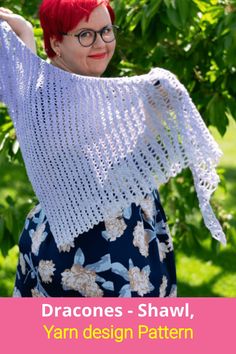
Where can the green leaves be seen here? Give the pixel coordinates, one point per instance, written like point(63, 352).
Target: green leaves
point(148, 14)
point(216, 111)
point(194, 39)
point(178, 12)
point(9, 225)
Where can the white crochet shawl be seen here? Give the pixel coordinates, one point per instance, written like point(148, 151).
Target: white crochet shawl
point(92, 146)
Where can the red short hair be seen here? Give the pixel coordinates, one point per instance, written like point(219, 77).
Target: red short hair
point(58, 16)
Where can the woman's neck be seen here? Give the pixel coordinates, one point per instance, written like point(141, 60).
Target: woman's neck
point(60, 64)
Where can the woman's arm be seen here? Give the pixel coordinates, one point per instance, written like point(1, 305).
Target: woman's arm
point(22, 28)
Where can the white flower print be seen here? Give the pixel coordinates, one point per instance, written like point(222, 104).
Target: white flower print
point(173, 291)
point(22, 263)
point(147, 205)
point(139, 280)
point(120, 269)
point(16, 292)
point(85, 278)
point(163, 286)
point(125, 291)
point(127, 212)
point(36, 293)
point(109, 285)
point(33, 272)
point(102, 265)
point(66, 247)
point(160, 228)
point(115, 227)
point(163, 249)
point(34, 211)
point(37, 236)
point(46, 270)
point(82, 280)
point(166, 246)
point(141, 239)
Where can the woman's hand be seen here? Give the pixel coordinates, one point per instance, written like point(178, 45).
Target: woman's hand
point(22, 28)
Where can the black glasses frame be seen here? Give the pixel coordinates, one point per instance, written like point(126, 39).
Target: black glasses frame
point(114, 27)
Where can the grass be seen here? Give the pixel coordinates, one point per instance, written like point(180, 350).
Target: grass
point(8, 271)
point(205, 273)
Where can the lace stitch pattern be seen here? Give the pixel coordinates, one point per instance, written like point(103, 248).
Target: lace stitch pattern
point(92, 146)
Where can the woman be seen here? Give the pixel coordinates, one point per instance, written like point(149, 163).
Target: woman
point(128, 253)
point(43, 270)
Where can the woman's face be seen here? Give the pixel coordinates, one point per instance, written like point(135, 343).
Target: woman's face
point(85, 60)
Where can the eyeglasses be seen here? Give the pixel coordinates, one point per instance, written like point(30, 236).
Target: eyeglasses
point(88, 36)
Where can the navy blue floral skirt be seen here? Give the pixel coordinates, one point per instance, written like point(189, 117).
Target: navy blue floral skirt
point(130, 255)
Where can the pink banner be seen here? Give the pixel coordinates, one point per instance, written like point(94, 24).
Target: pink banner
point(75, 325)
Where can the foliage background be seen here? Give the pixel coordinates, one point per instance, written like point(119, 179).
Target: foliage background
point(196, 40)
